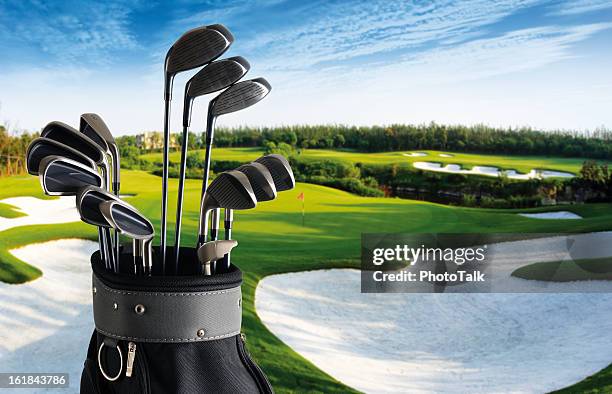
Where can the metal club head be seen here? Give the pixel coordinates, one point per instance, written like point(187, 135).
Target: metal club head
point(261, 181)
point(213, 77)
point(230, 190)
point(94, 127)
point(239, 96)
point(88, 200)
point(68, 135)
point(127, 219)
point(280, 170)
point(215, 250)
point(60, 176)
point(42, 147)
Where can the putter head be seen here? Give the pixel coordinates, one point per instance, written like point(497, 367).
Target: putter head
point(127, 220)
point(215, 250)
point(240, 96)
point(261, 181)
point(68, 135)
point(213, 77)
point(197, 47)
point(60, 176)
point(42, 147)
point(280, 170)
point(88, 200)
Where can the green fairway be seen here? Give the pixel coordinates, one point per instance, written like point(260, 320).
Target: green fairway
point(273, 240)
point(522, 164)
point(10, 212)
point(567, 271)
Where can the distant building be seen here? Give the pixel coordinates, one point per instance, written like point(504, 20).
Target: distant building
point(151, 140)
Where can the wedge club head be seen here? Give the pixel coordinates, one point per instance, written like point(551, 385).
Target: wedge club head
point(60, 176)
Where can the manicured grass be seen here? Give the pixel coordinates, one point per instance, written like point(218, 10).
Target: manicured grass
point(522, 164)
point(10, 212)
point(599, 383)
point(567, 271)
point(273, 240)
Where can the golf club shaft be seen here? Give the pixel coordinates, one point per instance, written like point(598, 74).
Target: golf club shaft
point(113, 259)
point(227, 225)
point(166, 152)
point(116, 192)
point(210, 129)
point(179, 202)
point(214, 232)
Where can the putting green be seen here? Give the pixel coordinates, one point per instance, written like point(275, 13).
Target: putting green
point(273, 240)
point(522, 164)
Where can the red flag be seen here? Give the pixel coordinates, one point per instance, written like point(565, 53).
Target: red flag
point(301, 196)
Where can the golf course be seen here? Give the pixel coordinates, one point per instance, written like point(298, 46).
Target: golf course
point(273, 240)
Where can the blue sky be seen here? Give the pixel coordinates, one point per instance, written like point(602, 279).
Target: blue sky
point(505, 63)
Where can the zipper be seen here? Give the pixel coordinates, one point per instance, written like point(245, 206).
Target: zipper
point(130, 359)
point(260, 378)
point(138, 366)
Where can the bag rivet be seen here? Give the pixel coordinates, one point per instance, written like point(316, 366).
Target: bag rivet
point(115, 306)
point(201, 332)
point(139, 309)
point(239, 301)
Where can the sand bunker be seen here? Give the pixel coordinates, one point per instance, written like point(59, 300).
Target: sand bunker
point(552, 215)
point(61, 210)
point(445, 155)
point(488, 171)
point(445, 343)
point(415, 154)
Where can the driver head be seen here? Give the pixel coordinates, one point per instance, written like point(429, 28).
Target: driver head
point(197, 47)
point(60, 176)
point(240, 96)
point(280, 170)
point(127, 219)
point(261, 181)
point(42, 147)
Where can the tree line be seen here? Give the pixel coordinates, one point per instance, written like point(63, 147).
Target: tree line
point(13, 151)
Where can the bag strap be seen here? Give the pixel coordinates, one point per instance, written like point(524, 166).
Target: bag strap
point(145, 316)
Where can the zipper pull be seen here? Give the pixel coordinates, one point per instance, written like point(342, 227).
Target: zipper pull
point(243, 337)
point(130, 359)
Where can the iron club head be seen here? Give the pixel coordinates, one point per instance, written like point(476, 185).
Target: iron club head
point(60, 176)
point(94, 127)
point(42, 147)
point(280, 170)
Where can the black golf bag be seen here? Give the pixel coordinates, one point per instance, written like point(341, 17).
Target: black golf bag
point(168, 334)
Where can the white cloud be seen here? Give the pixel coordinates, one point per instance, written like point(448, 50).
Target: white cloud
point(574, 7)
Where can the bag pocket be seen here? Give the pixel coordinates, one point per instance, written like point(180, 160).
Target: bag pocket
point(260, 378)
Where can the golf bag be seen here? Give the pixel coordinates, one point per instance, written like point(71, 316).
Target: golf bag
point(168, 334)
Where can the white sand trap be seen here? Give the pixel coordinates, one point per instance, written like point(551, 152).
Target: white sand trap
point(46, 324)
point(61, 210)
point(488, 171)
point(552, 215)
point(445, 155)
point(446, 343)
point(442, 343)
point(415, 154)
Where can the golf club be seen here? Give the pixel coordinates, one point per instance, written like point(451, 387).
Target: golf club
point(237, 97)
point(88, 200)
point(213, 77)
point(230, 189)
point(213, 251)
point(42, 147)
point(263, 187)
point(193, 49)
point(60, 176)
point(132, 223)
point(282, 176)
point(94, 127)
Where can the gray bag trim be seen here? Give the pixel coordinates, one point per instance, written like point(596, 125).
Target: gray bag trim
point(167, 317)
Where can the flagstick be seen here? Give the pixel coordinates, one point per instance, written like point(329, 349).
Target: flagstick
point(302, 212)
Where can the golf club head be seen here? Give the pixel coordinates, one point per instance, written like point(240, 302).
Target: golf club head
point(68, 135)
point(60, 176)
point(42, 147)
point(94, 127)
point(213, 77)
point(261, 181)
point(240, 96)
point(88, 200)
point(127, 219)
point(195, 48)
point(215, 250)
point(281, 171)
